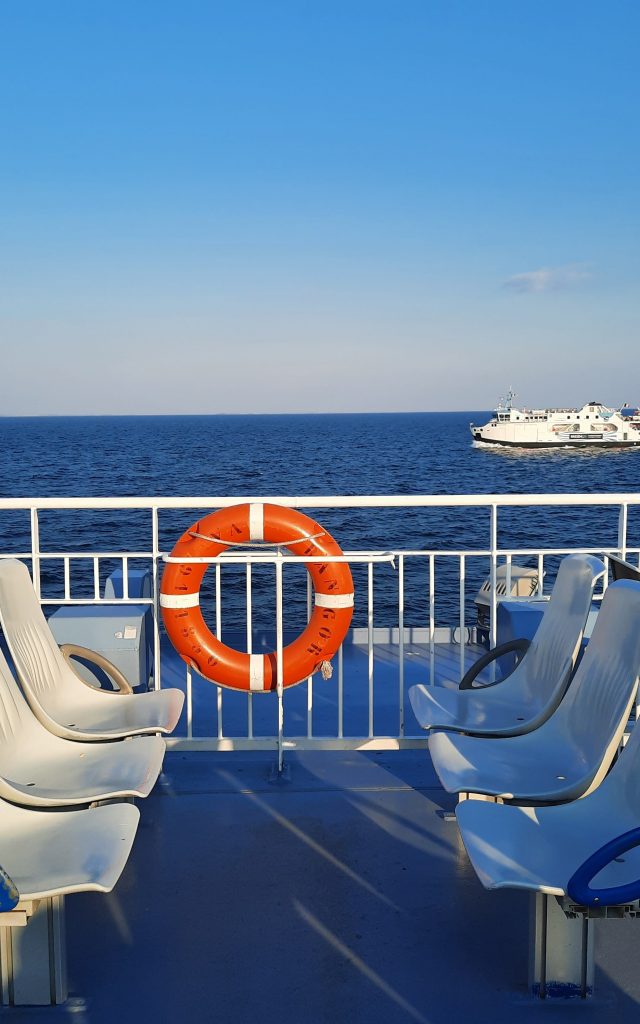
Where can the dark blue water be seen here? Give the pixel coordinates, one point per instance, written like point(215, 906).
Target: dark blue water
point(416, 453)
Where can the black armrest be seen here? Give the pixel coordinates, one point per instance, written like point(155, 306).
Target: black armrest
point(520, 646)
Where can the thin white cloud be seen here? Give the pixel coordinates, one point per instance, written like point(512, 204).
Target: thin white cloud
point(549, 279)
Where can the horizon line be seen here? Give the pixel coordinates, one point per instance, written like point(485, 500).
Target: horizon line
point(196, 415)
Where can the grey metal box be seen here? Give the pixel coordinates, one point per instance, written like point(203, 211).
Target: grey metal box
point(116, 631)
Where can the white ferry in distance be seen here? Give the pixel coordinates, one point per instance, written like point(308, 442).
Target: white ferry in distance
point(594, 425)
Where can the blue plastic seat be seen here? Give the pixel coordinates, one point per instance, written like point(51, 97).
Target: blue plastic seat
point(575, 848)
point(532, 692)
point(570, 753)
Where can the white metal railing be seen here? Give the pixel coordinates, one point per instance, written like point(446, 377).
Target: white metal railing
point(429, 636)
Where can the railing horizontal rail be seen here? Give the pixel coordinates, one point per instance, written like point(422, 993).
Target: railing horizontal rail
point(347, 556)
point(114, 555)
point(324, 501)
point(253, 557)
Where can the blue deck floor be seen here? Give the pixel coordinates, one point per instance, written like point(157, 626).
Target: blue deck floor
point(342, 895)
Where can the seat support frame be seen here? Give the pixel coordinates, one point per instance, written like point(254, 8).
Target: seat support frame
point(33, 955)
point(561, 950)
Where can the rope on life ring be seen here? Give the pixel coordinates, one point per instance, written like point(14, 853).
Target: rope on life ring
point(255, 524)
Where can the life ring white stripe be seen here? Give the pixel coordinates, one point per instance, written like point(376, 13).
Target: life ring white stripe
point(179, 600)
point(334, 600)
point(256, 521)
point(256, 671)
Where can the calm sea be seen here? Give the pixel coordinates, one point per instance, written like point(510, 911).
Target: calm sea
point(413, 453)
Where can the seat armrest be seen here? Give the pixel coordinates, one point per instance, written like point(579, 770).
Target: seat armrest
point(578, 886)
point(75, 651)
point(519, 646)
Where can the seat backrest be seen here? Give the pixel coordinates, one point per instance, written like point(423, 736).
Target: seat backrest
point(621, 787)
point(621, 570)
point(17, 722)
point(543, 674)
point(40, 665)
point(602, 690)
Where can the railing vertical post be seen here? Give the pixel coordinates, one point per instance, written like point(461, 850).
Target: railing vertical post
point(249, 650)
point(462, 615)
point(219, 637)
point(279, 664)
point(189, 703)
point(432, 619)
point(35, 551)
point(155, 543)
point(340, 694)
point(493, 625)
point(370, 641)
point(310, 678)
point(622, 530)
point(401, 644)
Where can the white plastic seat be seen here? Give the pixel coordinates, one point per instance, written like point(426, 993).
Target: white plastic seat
point(532, 692)
point(61, 700)
point(52, 853)
point(570, 753)
point(540, 848)
point(39, 769)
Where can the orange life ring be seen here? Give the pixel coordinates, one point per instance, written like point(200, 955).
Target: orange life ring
point(246, 524)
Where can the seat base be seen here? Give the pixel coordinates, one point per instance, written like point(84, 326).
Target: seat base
point(33, 954)
point(560, 951)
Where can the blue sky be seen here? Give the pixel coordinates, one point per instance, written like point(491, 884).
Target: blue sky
point(317, 206)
